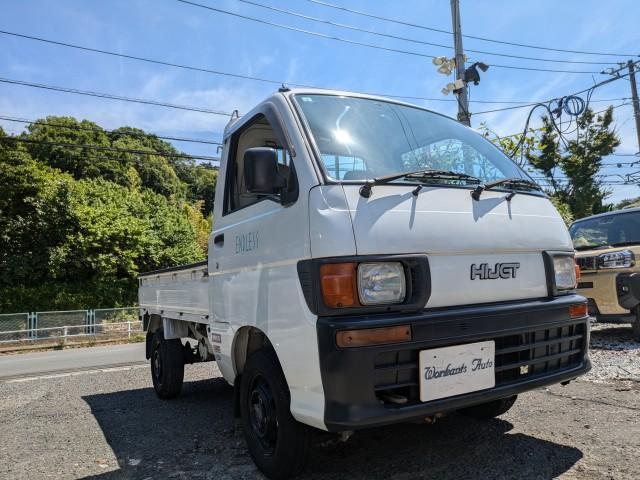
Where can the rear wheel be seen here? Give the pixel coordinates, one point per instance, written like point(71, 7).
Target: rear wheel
point(488, 410)
point(167, 365)
point(278, 444)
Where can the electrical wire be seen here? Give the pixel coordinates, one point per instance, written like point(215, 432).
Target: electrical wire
point(585, 90)
point(253, 78)
point(114, 97)
point(475, 37)
point(368, 45)
point(7, 138)
point(112, 132)
point(412, 40)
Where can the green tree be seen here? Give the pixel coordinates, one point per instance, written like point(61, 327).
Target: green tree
point(34, 216)
point(155, 172)
point(55, 132)
point(76, 229)
point(628, 203)
point(580, 161)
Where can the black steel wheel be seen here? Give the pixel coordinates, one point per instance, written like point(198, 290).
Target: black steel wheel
point(489, 410)
point(167, 365)
point(278, 444)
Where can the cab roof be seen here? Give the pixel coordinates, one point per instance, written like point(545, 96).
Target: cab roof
point(290, 92)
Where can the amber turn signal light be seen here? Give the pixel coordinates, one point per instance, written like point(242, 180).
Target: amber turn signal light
point(338, 284)
point(373, 336)
point(577, 272)
point(578, 310)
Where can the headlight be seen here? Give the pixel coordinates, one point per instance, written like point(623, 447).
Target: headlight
point(621, 259)
point(564, 270)
point(381, 282)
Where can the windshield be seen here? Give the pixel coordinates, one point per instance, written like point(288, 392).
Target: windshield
point(610, 230)
point(362, 138)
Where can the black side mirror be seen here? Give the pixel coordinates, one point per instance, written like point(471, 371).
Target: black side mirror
point(261, 173)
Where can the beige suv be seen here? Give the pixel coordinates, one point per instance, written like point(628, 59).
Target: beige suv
point(608, 253)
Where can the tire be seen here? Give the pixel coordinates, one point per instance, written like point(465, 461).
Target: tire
point(167, 365)
point(636, 325)
point(278, 444)
point(486, 411)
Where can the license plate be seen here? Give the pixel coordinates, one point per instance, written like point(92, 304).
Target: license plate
point(449, 371)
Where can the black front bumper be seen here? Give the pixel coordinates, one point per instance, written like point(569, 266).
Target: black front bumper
point(538, 336)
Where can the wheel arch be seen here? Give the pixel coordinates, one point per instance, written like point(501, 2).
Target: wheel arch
point(155, 322)
point(247, 340)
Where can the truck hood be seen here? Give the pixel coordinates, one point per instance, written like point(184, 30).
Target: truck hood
point(457, 233)
point(448, 221)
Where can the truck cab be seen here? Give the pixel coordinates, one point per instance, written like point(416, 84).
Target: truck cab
point(371, 262)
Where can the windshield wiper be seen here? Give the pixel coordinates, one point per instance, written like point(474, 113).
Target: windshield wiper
point(428, 173)
point(513, 182)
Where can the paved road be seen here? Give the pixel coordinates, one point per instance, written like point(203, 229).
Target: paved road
point(42, 363)
point(109, 425)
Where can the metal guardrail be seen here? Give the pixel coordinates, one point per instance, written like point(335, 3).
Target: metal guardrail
point(62, 324)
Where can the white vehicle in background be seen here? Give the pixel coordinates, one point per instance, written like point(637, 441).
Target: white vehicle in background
point(371, 262)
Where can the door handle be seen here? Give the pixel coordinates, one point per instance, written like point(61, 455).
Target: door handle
point(218, 240)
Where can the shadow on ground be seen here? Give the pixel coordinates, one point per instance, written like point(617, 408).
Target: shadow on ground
point(613, 337)
point(195, 436)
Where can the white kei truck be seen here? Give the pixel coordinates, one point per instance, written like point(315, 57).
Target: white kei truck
point(371, 262)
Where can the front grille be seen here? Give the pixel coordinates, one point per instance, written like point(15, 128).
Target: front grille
point(587, 263)
point(518, 357)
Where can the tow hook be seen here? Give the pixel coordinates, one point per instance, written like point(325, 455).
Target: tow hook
point(566, 382)
point(332, 440)
point(430, 420)
point(346, 435)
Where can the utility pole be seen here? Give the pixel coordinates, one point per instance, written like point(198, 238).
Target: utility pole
point(463, 99)
point(634, 97)
point(631, 67)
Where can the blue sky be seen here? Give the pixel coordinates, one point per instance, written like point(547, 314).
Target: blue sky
point(171, 31)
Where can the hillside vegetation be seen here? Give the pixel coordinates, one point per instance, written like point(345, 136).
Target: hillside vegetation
point(77, 225)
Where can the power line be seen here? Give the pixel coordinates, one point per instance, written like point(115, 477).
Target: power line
point(114, 97)
point(532, 104)
point(215, 112)
point(532, 130)
point(129, 134)
point(412, 40)
point(475, 37)
point(249, 77)
point(7, 138)
point(368, 45)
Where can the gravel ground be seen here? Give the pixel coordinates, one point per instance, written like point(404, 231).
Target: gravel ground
point(110, 425)
point(614, 354)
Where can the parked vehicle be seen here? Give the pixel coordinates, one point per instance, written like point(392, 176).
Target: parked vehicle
point(607, 246)
point(371, 262)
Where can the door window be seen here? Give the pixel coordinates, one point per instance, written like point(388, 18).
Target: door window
point(258, 133)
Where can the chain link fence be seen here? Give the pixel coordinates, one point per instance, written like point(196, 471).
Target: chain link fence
point(103, 323)
point(14, 326)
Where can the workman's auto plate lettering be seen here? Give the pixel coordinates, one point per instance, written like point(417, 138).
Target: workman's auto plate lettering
point(449, 371)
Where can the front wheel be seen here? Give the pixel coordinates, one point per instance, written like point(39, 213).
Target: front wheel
point(167, 365)
point(489, 410)
point(278, 444)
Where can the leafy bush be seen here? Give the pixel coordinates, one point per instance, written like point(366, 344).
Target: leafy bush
point(76, 228)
